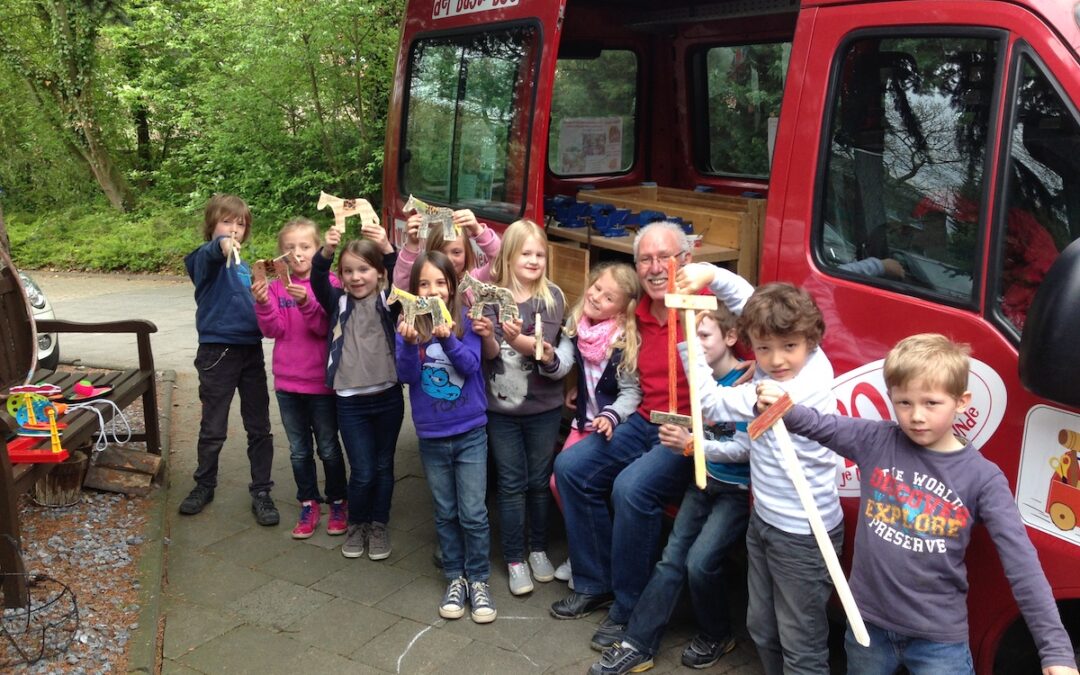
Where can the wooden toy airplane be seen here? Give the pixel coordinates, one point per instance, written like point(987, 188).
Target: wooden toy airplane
point(439, 215)
point(413, 306)
point(488, 294)
point(343, 208)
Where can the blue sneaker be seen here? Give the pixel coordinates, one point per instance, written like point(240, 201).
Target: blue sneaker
point(617, 660)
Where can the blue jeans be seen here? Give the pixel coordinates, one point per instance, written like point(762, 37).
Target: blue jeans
point(709, 522)
point(369, 427)
point(225, 370)
point(523, 447)
point(641, 476)
point(789, 587)
point(456, 469)
point(889, 650)
point(306, 417)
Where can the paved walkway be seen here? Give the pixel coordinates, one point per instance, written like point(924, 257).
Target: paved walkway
point(242, 598)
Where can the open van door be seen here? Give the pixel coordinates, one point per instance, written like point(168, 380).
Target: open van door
point(464, 129)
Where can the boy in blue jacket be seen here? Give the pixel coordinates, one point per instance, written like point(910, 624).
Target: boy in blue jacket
point(230, 357)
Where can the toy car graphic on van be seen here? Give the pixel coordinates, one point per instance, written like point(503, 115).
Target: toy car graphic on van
point(862, 393)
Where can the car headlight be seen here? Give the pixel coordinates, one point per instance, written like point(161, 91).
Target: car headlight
point(33, 293)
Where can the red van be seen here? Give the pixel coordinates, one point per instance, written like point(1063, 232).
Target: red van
point(914, 164)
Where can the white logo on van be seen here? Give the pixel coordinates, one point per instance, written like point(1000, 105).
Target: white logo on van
point(862, 393)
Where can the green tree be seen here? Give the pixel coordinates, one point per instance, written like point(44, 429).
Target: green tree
point(52, 46)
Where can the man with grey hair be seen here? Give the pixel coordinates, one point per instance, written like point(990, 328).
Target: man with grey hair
point(612, 561)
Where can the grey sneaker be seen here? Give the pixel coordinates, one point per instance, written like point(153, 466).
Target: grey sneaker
point(564, 572)
point(263, 508)
point(378, 542)
point(483, 609)
point(355, 538)
point(617, 660)
point(520, 583)
point(704, 652)
point(542, 569)
point(453, 600)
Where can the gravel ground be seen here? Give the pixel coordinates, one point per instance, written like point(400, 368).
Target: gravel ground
point(93, 548)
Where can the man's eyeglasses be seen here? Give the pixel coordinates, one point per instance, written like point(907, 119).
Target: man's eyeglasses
point(647, 262)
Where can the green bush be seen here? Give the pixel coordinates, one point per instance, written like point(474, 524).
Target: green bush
point(153, 239)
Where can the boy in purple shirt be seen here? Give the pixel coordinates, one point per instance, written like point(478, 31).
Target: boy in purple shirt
point(908, 575)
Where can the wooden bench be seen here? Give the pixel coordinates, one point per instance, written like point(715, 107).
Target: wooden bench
point(82, 425)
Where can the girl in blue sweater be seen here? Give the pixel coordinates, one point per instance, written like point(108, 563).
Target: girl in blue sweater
point(441, 365)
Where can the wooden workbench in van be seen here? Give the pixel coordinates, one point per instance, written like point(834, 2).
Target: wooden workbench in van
point(730, 226)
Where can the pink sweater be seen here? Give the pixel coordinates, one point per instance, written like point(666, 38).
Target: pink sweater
point(299, 334)
point(487, 240)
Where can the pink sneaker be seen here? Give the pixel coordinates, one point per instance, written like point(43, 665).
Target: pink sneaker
point(310, 514)
point(339, 518)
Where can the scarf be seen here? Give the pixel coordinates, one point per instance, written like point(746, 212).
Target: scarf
point(594, 339)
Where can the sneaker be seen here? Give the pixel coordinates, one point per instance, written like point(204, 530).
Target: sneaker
point(704, 652)
point(619, 659)
point(608, 634)
point(310, 514)
point(338, 522)
point(520, 583)
point(453, 600)
point(483, 609)
point(354, 541)
point(378, 546)
point(196, 500)
point(542, 569)
point(263, 508)
point(563, 571)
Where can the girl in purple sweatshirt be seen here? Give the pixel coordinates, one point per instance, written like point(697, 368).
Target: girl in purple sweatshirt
point(441, 365)
point(289, 314)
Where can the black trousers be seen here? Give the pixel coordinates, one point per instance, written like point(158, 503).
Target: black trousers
point(224, 369)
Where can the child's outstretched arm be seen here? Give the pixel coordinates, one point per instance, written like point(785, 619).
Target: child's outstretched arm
point(320, 274)
point(268, 311)
point(997, 510)
point(464, 354)
point(731, 404)
point(485, 239)
point(730, 288)
point(625, 403)
point(558, 360)
point(205, 262)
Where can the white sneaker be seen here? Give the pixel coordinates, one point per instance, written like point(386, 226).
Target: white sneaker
point(564, 573)
point(542, 570)
point(520, 581)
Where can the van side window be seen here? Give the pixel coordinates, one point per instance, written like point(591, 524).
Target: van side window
point(907, 146)
point(463, 143)
point(1042, 191)
point(744, 85)
point(593, 114)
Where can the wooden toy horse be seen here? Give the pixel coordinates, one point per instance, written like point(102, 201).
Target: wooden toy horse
point(263, 270)
point(438, 215)
point(488, 294)
point(343, 208)
point(413, 306)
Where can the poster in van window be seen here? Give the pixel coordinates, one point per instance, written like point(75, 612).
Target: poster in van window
point(862, 393)
point(1048, 481)
point(590, 145)
point(442, 9)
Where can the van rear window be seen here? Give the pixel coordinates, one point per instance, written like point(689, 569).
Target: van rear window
point(468, 117)
point(593, 114)
point(743, 88)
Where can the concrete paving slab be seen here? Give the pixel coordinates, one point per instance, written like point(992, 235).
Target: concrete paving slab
point(304, 564)
point(326, 663)
point(173, 668)
point(248, 649)
point(252, 546)
point(492, 660)
point(365, 581)
point(279, 603)
point(411, 647)
point(193, 625)
point(515, 624)
point(209, 581)
point(417, 600)
point(341, 626)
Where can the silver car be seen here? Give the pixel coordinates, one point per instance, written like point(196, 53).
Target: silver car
point(48, 343)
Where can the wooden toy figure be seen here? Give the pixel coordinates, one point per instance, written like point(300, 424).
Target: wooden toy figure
point(438, 215)
point(413, 306)
point(488, 294)
point(343, 208)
